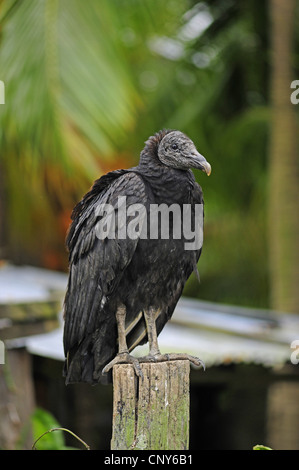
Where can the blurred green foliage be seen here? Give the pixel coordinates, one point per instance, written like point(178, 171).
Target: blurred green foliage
point(88, 82)
point(42, 421)
point(47, 434)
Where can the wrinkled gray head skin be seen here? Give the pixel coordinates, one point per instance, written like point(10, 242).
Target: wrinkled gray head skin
point(176, 150)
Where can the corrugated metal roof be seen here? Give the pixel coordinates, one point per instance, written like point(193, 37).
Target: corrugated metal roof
point(222, 334)
point(218, 334)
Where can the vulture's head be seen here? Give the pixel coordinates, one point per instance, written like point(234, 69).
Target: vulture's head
point(176, 150)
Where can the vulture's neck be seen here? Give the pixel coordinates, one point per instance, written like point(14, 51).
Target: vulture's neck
point(168, 185)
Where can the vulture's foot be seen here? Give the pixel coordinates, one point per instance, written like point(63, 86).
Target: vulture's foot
point(124, 358)
point(173, 357)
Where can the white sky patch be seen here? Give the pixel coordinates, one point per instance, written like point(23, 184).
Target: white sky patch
point(169, 48)
point(201, 60)
point(195, 25)
point(197, 20)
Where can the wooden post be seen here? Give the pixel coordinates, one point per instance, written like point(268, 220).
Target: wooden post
point(152, 413)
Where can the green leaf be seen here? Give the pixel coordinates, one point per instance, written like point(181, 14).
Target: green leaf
point(261, 447)
point(43, 421)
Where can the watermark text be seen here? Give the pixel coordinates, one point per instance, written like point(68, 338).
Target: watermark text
point(295, 94)
point(2, 353)
point(295, 354)
point(158, 221)
point(2, 92)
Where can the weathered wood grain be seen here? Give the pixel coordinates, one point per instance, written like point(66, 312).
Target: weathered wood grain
point(152, 413)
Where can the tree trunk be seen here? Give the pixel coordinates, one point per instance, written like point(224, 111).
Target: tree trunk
point(283, 165)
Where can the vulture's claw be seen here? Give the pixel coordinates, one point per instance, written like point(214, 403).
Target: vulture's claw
point(173, 357)
point(124, 358)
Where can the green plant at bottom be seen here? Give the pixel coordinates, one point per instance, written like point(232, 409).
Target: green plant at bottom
point(48, 433)
point(261, 447)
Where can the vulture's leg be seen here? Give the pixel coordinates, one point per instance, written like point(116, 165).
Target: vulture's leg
point(123, 355)
point(150, 321)
point(154, 351)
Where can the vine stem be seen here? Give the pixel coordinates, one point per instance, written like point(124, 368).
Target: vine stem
point(87, 447)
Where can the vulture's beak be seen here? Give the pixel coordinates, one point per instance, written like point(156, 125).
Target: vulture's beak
point(199, 162)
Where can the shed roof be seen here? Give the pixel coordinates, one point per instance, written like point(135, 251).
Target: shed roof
point(218, 334)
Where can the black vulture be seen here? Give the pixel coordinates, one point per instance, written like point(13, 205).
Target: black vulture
point(125, 275)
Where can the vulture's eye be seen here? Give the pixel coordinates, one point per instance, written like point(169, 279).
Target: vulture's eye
point(174, 146)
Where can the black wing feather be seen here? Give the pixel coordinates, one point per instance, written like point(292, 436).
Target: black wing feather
point(96, 267)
